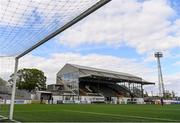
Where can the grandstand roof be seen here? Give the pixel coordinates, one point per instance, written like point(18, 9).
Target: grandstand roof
point(90, 71)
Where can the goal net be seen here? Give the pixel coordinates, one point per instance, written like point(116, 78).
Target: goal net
point(27, 24)
point(6, 70)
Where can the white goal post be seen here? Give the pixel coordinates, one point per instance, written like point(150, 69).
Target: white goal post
point(82, 15)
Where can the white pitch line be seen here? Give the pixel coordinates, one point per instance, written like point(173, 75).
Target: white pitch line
point(11, 120)
point(3, 117)
point(116, 115)
point(170, 109)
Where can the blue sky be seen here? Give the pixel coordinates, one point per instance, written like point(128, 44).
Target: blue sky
point(122, 36)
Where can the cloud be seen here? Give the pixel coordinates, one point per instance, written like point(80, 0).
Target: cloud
point(172, 82)
point(177, 63)
point(146, 26)
point(6, 67)
point(55, 62)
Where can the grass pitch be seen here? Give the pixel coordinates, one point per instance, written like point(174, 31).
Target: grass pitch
point(96, 113)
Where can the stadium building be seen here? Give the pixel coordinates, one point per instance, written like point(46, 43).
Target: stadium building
point(91, 85)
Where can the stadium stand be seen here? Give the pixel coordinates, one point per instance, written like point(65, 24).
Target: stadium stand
point(86, 81)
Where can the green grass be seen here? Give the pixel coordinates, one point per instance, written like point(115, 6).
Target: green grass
point(96, 113)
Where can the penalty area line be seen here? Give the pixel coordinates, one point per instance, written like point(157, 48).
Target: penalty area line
point(117, 115)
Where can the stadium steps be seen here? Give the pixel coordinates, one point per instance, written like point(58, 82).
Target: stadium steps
point(106, 91)
point(122, 90)
point(82, 92)
point(135, 92)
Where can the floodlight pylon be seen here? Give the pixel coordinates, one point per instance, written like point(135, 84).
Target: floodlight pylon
point(159, 55)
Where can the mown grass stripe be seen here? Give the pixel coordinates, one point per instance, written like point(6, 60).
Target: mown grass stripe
point(130, 116)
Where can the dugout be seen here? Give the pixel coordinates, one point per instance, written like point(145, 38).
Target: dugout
point(45, 95)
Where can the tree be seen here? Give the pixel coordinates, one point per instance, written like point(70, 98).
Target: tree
point(30, 79)
point(146, 94)
point(173, 94)
point(167, 95)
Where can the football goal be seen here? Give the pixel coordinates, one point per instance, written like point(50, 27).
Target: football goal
point(27, 24)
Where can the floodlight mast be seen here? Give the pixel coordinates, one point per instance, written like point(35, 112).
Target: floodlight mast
point(158, 55)
point(50, 36)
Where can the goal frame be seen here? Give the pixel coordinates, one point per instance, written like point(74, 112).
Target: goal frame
point(47, 38)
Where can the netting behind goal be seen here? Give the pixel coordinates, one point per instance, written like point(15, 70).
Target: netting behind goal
point(6, 70)
point(23, 23)
point(27, 24)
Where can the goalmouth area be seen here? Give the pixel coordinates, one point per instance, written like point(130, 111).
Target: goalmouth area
point(96, 113)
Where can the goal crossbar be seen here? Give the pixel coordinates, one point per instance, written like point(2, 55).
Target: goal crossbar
point(47, 38)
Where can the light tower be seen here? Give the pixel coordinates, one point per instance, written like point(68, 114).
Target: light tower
point(158, 55)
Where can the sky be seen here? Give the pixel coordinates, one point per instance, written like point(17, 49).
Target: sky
point(121, 36)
